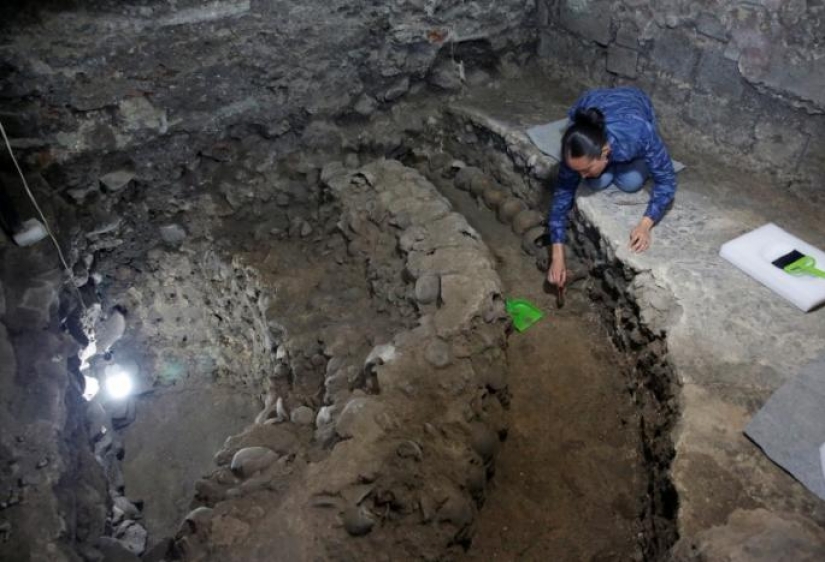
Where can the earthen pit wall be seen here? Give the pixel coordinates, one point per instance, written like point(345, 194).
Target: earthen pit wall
point(651, 380)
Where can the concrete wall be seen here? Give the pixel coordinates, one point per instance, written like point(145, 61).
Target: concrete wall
point(748, 77)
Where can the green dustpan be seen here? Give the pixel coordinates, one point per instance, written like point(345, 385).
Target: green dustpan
point(523, 313)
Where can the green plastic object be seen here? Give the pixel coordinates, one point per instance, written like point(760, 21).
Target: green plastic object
point(804, 265)
point(523, 313)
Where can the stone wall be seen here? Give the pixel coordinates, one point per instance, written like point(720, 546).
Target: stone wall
point(152, 81)
point(53, 496)
point(396, 442)
point(747, 77)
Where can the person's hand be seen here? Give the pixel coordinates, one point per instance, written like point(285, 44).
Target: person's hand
point(557, 273)
point(640, 236)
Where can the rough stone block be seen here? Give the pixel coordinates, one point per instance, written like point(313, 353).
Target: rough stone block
point(622, 61)
point(590, 20)
point(804, 79)
point(675, 54)
point(710, 26)
point(719, 76)
point(542, 13)
point(446, 75)
point(779, 145)
point(427, 289)
point(397, 90)
point(627, 36)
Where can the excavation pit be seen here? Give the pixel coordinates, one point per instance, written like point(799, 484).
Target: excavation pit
point(294, 229)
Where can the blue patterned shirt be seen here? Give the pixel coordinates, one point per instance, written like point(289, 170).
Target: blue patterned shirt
point(631, 133)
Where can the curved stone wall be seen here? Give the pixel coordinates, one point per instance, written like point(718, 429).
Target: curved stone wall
point(406, 433)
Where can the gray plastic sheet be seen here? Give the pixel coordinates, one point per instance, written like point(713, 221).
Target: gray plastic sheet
point(790, 427)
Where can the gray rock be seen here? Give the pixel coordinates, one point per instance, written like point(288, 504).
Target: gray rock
point(719, 76)
point(351, 160)
point(481, 183)
point(96, 418)
point(321, 135)
point(478, 77)
point(158, 553)
point(427, 289)
point(410, 450)
point(117, 180)
point(79, 194)
point(357, 520)
point(173, 234)
point(397, 90)
point(627, 36)
point(484, 440)
point(446, 75)
point(622, 61)
point(122, 412)
point(456, 509)
point(139, 113)
point(526, 220)
point(675, 54)
point(302, 415)
point(592, 23)
point(132, 535)
point(347, 422)
point(114, 551)
point(778, 145)
point(464, 177)
point(250, 460)
point(35, 308)
point(80, 274)
point(438, 353)
point(366, 105)
point(509, 208)
point(494, 196)
point(196, 521)
point(709, 25)
point(110, 330)
point(127, 508)
point(528, 241)
point(105, 225)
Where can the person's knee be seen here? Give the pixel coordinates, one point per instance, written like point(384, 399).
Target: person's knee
point(631, 177)
point(600, 182)
point(630, 181)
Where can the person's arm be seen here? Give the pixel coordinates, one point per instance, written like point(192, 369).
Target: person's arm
point(661, 169)
point(664, 177)
point(563, 196)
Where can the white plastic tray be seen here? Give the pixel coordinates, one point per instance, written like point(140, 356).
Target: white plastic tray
point(754, 253)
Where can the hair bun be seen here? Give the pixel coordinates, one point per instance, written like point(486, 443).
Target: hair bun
point(590, 116)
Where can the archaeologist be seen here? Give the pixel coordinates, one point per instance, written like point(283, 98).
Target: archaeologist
point(613, 139)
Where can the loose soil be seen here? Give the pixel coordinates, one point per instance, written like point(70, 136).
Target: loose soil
point(569, 479)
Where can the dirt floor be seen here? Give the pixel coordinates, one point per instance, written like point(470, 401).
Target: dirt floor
point(569, 481)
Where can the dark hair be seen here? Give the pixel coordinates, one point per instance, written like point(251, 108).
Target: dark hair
point(586, 136)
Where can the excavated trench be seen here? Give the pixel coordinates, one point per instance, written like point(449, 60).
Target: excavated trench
point(344, 326)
